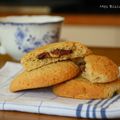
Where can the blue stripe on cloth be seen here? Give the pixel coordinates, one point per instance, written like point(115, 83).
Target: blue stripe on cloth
point(96, 105)
point(79, 108)
point(3, 105)
point(103, 109)
point(103, 113)
point(87, 112)
point(105, 102)
point(110, 101)
point(39, 107)
point(94, 108)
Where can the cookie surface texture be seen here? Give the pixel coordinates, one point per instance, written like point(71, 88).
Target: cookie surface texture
point(45, 76)
point(81, 88)
point(100, 69)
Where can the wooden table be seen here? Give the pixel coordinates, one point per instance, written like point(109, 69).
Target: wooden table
point(113, 53)
point(72, 19)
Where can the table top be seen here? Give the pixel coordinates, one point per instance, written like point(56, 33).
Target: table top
point(113, 53)
point(70, 19)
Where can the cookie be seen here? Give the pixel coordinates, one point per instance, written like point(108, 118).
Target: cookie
point(99, 69)
point(45, 76)
point(52, 53)
point(81, 88)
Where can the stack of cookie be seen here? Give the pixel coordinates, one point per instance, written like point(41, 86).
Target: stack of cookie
point(71, 69)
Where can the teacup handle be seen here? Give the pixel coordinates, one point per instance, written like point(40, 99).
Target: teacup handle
point(2, 50)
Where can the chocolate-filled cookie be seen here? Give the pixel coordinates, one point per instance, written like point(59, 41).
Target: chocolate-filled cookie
point(53, 53)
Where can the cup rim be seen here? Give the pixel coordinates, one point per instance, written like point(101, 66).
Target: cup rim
point(53, 20)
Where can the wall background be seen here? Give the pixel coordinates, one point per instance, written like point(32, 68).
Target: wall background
point(101, 36)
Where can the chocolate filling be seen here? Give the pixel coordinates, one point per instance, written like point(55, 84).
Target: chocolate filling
point(80, 62)
point(82, 68)
point(58, 52)
point(43, 55)
point(61, 52)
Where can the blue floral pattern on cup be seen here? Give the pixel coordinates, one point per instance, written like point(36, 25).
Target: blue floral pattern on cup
point(27, 42)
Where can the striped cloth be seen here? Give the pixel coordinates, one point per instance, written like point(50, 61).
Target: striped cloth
point(45, 102)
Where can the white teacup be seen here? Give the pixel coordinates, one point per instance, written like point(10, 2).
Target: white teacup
point(20, 34)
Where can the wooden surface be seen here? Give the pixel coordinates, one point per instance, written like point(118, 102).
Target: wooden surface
point(113, 53)
point(79, 19)
point(29, 116)
point(111, 20)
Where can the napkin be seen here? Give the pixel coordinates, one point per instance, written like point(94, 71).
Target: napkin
point(43, 101)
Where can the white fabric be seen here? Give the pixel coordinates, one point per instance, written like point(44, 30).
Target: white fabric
point(44, 101)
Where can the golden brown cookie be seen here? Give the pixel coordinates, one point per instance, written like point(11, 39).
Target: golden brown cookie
point(83, 89)
point(52, 53)
point(100, 69)
point(45, 76)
